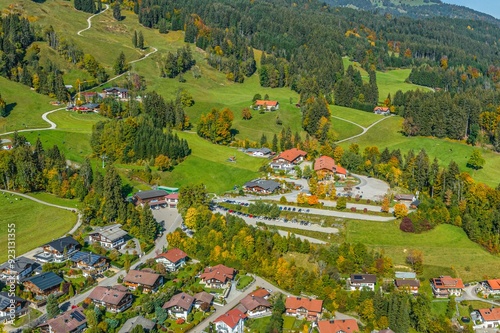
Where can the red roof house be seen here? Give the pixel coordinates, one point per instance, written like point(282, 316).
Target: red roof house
point(232, 322)
point(338, 326)
point(304, 307)
point(445, 286)
point(493, 286)
point(325, 164)
point(217, 276)
point(172, 259)
point(268, 105)
point(293, 155)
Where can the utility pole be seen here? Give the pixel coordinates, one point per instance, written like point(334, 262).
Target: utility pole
point(103, 157)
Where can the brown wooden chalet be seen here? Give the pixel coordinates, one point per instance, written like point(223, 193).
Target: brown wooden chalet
point(71, 321)
point(115, 299)
point(217, 276)
point(149, 281)
point(43, 284)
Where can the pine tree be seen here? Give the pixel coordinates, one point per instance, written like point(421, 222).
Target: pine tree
point(140, 40)
point(99, 6)
point(120, 65)
point(117, 14)
point(52, 307)
point(3, 107)
point(275, 143)
point(134, 39)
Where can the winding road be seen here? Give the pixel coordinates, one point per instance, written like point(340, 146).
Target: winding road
point(89, 21)
point(365, 129)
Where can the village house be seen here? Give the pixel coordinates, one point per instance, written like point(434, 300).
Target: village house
point(89, 96)
point(172, 200)
point(254, 306)
point(266, 105)
point(150, 197)
point(382, 110)
point(338, 326)
point(445, 286)
point(18, 269)
point(492, 286)
point(262, 186)
point(109, 237)
point(325, 165)
point(87, 107)
point(288, 159)
point(404, 197)
point(407, 285)
point(149, 281)
point(43, 284)
point(173, 259)
point(203, 298)
point(121, 93)
point(58, 250)
point(90, 263)
point(360, 281)
point(71, 321)
point(20, 308)
point(486, 318)
point(301, 307)
point(128, 327)
point(115, 299)
point(180, 305)
point(258, 152)
point(217, 276)
point(232, 321)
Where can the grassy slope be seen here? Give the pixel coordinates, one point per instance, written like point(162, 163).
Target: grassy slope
point(36, 224)
point(445, 248)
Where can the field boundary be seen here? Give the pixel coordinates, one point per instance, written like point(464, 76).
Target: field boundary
point(365, 129)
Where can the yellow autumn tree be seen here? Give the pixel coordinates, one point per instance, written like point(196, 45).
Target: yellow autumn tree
point(191, 218)
point(400, 210)
point(385, 205)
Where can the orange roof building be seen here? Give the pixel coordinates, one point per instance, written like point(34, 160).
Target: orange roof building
point(217, 276)
point(338, 326)
point(172, 259)
point(269, 105)
point(293, 155)
point(445, 286)
point(324, 163)
point(488, 318)
point(231, 321)
point(493, 285)
point(301, 307)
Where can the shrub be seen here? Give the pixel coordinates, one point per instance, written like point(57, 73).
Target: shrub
point(180, 321)
point(353, 209)
point(406, 225)
point(368, 201)
point(365, 210)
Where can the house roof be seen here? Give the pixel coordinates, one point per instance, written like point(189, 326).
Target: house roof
point(263, 150)
point(173, 255)
point(405, 275)
point(291, 155)
point(490, 314)
point(181, 300)
point(447, 282)
point(220, 273)
point(67, 321)
point(88, 258)
point(251, 302)
point(363, 278)
point(5, 300)
point(494, 284)
point(381, 108)
point(261, 102)
point(324, 163)
point(141, 277)
point(111, 232)
point(268, 185)
point(18, 265)
point(117, 89)
point(90, 105)
point(314, 305)
point(408, 197)
point(172, 196)
point(45, 281)
point(204, 297)
point(145, 195)
point(338, 326)
point(133, 322)
point(231, 318)
point(341, 170)
point(108, 295)
point(61, 243)
point(409, 282)
point(260, 293)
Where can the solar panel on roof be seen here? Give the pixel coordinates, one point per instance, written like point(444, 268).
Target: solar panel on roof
point(78, 316)
point(358, 277)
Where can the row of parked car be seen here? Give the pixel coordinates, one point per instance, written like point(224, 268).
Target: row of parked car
point(293, 209)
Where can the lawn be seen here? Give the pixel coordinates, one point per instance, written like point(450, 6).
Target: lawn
point(259, 324)
point(446, 249)
point(445, 150)
point(50, 198)
point(244, 281)
point(345, 129)
point(36, 224)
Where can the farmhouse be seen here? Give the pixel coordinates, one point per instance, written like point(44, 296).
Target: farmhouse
point(404, 197)
point(360, 281)
point(148, 197)
point(254, 306)
point(21, 306)
point(232, 321)
point(338, 326)
point(121, 93)
point(288, 159)
point(407, 285)
point(259, 152)
point(262, 186)
point(382, 110)
point(173, 259)
point(115, 299)
point(43, 284)
point(203, 297)
point(486, 318)
point(267, 105)
point(217, 276)
point(71, 321)
point(445, 286)
point(147, 280)
point(18, 269)
point(111, 236)
point(90, 263)
point(326, 165)
point(88, 107)
point(493, 286)
point(180, 305)
point(58, 250)
point(300, 307)
point(89, 96)
point(128, 327)
point(172, 200)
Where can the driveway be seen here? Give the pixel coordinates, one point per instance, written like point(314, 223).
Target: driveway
point(470, 294)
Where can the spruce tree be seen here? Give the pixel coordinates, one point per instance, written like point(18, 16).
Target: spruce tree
point(134, 39)
point(99, 6)
point(3, 107)
point(117, 13)
point(275, 143)
point(120, 65)
point(52, 307)
point(140, 40)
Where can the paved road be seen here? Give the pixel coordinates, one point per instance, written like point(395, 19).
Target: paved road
point(470, 294)
point(365, 129)
point(89, 20)
point(52, 125)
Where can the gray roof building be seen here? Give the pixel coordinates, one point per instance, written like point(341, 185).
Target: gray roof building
point(260, 185)
point(45, 281)
point(130, 324)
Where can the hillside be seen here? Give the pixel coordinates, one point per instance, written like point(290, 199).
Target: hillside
point(415, 9)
